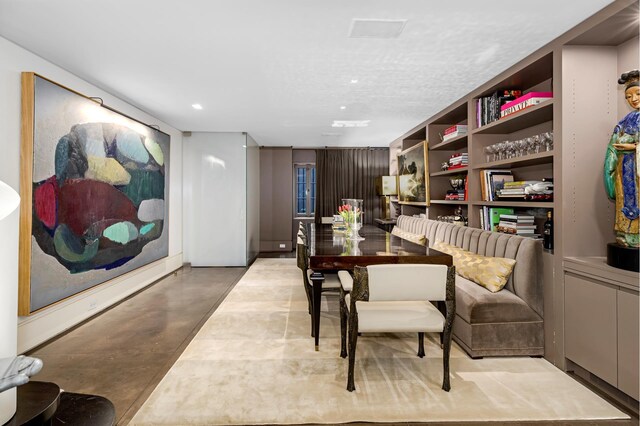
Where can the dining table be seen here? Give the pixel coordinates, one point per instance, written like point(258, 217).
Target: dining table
point(331, 251)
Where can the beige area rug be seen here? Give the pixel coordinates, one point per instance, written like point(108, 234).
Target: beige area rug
point(254, 362)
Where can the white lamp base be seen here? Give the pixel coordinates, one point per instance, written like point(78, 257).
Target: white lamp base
point(8, 304)
point(7, 405)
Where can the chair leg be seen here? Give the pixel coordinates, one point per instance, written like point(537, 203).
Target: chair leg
point(421, 344)
point(446, 351)
point(311, 316)
point(344, 315)
point(353, 340)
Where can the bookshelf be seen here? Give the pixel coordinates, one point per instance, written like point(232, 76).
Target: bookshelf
point(580, 67)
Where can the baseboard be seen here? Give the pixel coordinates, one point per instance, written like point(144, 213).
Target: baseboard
point(48, 323)
point(612, 392)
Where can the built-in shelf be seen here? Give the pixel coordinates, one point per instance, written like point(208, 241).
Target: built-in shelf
point(526, 160)
point(451, 202)
point(451, 145)
point(529, 204)
point(450, 172)
point(520, 120)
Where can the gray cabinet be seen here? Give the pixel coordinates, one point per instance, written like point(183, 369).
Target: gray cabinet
point(590, 326)
point(628, 331)
point(602, 321)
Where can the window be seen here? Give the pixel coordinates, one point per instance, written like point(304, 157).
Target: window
point(305, 190)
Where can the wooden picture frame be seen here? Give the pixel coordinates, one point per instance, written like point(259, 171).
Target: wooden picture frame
point(413, 175)
point(94, 185)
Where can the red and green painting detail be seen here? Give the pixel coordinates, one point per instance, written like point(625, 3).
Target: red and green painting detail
point(105, 201)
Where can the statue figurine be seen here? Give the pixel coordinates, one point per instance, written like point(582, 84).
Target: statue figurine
point(17, 370)
point(621, 168)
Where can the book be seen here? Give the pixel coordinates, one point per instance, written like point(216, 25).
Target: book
point(461, 128)
point(453, 135)
point(518, 217)
point(528, 100)
point(466, 187)
point(525, 97)
point(514, 225)
point(519, 183)
point(494, 216)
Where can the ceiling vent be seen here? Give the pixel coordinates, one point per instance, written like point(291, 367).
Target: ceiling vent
point(376, 28)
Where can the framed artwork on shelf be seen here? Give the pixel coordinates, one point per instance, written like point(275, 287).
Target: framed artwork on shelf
point(94, 188)
point(413, 175)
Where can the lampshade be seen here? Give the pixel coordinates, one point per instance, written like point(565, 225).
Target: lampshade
point(386, 185)
point(9, 200)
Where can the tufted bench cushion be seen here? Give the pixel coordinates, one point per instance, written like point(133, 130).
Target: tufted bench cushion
point(508, 322)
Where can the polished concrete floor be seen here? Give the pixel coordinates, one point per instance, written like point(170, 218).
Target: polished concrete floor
point(123, 353)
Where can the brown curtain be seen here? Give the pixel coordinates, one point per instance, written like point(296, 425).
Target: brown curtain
point(349, 173)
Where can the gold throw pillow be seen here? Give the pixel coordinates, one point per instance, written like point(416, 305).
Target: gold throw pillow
point(491, 273)
point(414, 238)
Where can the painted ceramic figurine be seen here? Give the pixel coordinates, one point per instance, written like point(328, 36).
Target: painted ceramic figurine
point(621, 166)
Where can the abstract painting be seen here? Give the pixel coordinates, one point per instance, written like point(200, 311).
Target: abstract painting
point(413, 175)
point(94, 194)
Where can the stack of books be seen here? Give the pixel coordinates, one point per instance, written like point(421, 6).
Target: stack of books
point(490, 217)
point(488, 107)
point(522, 225)
point(457, 195)
point(526, 190)
point(458, 160)
point(526, 101)
point(454, 131)
point(492, 181)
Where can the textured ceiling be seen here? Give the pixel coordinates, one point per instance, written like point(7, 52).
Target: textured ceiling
point(282, 69)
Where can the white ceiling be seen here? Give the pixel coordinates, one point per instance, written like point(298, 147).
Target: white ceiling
point(282, 69)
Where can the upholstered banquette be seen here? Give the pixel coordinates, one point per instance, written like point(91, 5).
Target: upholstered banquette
point(508, 322)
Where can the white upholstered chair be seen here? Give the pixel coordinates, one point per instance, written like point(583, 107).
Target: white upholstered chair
point(396, 298)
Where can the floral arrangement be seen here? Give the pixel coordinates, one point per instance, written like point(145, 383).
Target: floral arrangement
point(348, 213)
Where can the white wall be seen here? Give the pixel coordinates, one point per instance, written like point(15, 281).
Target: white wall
point(215, 201)
point(40, 327)
point(628, 53)
point(253, 198)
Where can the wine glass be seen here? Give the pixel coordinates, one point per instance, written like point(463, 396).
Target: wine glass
point(489, 151)
point(502, 149)
point(547, 139)
point(537, 142)
point(521, 146)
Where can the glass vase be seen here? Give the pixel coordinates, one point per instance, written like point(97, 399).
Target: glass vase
point(354, 218)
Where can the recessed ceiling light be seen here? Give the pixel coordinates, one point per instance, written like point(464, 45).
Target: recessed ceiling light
point(376, 28)
point(350, 123)
point(196, 106)
point(354, 81)
point(343, 107)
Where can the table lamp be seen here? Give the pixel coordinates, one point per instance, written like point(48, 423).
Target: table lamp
point(9, 201)
point(386, 186)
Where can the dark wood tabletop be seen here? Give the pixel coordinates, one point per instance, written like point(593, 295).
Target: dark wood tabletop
point(330, 251)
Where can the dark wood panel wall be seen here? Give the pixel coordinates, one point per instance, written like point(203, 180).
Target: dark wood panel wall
point(276, 199)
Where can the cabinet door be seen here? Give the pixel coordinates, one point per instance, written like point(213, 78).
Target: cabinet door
point(628, 331)
point(591, 326)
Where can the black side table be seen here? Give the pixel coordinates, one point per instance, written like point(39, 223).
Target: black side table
point(37, 403)
point(42, 403)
